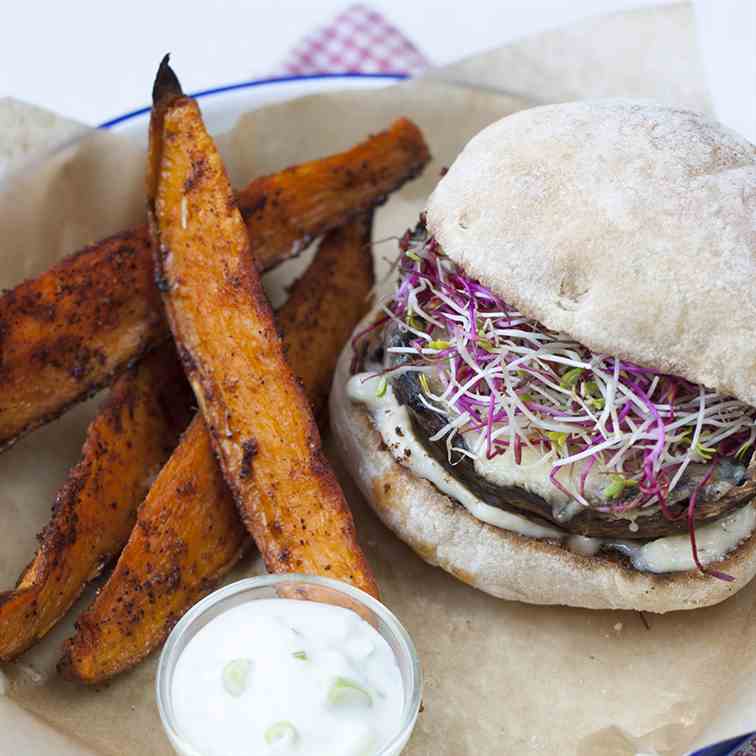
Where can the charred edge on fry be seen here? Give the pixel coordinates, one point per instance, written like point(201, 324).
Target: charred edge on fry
point(249, 450)
point(167, 85)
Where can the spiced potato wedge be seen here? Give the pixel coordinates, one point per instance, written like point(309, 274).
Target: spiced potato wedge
point(129, 440)
point(66, 333)
point(188, 532)
point(261, 426)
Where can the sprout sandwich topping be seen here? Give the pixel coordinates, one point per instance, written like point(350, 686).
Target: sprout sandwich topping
point(497, 382)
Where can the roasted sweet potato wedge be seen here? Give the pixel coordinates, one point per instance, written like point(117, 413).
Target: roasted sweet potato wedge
point(188, 531)
point(325, 305)
point(127, 443)
point(68, 332)
point(260, 423)
point(188, 534)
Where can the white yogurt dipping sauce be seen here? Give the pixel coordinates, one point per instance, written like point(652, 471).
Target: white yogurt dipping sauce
point(282, 676)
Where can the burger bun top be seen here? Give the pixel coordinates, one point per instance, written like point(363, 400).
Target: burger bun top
point(627, 225)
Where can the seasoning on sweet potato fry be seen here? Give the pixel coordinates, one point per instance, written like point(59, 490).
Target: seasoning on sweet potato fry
point(188, 531)
point(325, 305)
point(188, 534)
point(127, 443)
point(68, 332)
point(260, 424)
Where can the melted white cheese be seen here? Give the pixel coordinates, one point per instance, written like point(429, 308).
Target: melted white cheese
point(584, 545)
point(532, 474)
point(667, 554)
point(674, 553)
point(393, 423)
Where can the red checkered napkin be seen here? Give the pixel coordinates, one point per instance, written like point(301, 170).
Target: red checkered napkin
point(357, 40)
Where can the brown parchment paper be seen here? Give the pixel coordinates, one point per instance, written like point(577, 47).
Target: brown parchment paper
point(501, 678)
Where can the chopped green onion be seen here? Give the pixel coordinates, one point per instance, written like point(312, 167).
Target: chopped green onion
point(235, 675)
point(345, 691)
point(439, 345)
point(301, 655)
point(281, 731)
point(380, 392)
point(413, 255)
point(571, 377)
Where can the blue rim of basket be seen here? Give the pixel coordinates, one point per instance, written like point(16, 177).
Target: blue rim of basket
point(259, 83)
point(743, 744)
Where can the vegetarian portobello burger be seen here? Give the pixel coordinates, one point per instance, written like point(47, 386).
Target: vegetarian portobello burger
point(557, 402)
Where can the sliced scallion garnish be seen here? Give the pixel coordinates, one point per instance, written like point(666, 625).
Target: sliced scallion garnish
point(346, 691)
point(281, 731)
point(301, 655)
point(235, 675)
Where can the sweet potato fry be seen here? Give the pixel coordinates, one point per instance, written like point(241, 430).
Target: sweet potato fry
point(260, 424)
point(188, 534)
point(325, 305)
point(68, 332)
point(188, 531)
point(127, 443)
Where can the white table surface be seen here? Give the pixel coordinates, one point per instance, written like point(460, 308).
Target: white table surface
point(94, 60)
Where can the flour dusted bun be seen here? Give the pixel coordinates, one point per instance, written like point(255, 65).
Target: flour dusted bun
point(627, 225)
point(499, 562)
point(631, 228)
